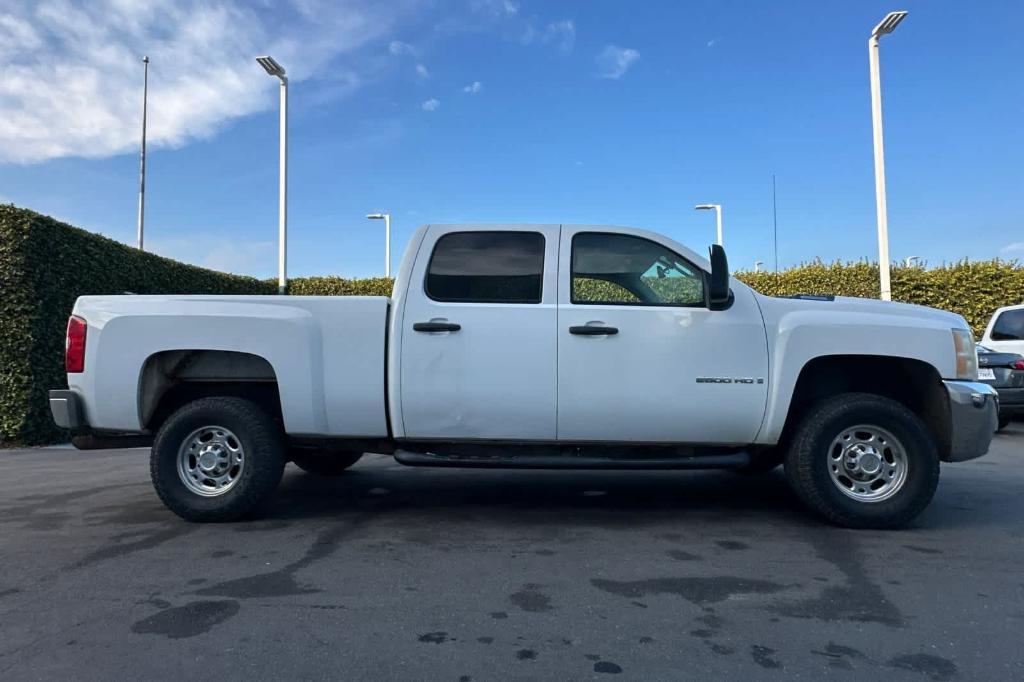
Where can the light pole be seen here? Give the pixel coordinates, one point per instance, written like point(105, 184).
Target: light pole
point(718, 216)
point(386, 217)
point(886, 26)
point(142, 155)
point(909, 260)
point(275, 69)
point(757, 265)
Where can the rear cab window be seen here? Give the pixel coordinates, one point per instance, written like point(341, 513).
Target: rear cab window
point(1009, 326)
point(486, 267)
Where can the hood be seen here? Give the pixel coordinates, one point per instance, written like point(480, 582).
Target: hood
point(904, 312)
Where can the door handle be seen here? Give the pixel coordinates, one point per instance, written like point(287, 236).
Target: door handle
point(593, 330)
point(436, 327)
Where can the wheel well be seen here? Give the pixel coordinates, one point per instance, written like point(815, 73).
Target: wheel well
point(170, 379)
point(915, 384)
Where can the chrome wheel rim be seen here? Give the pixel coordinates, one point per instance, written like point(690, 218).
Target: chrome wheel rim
point(867, 463)
point(210, 461)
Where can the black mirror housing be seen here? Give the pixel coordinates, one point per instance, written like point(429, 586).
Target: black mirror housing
point(719, 295)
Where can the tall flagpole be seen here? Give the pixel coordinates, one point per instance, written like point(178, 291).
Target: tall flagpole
point(142, 166)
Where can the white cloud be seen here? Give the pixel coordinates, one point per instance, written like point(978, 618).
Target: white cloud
point(70, 74)
point(1013, 248)
point(562, 34)
point(711, 43)
point(474, 87)
point(495, 8)
point(614, 61)
point(220, 252)
point(422, 71)
point(431, 105)
point(398, 48)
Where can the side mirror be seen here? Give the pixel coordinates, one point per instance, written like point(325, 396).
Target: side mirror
point(719, 296)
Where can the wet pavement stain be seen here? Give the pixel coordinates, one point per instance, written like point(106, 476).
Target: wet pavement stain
point(485, 640)
point(526, 655)
point(680, 555)
point(190, 620)
point(732, 544)
point(499, 615)
point(762, 655)
point(607, 667)
point(434, 637)
point(935, 667)
point(698, 590)
point(118, 549)
point(839, 656)
point(922, 550)
point(530, 599)
point(858, 600)
point(282, 582)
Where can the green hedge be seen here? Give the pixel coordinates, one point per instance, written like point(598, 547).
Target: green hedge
point(339, 286)
point(972, 289)
point(44, 266)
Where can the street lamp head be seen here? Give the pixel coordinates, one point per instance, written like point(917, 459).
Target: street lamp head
point(706, 207)
point(376, 216)
point(888, 24)
point(271, 66)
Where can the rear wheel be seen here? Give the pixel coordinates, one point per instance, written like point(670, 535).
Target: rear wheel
point(217, 459)
point(863, 461)
point(324, 462)
point(1004, 421)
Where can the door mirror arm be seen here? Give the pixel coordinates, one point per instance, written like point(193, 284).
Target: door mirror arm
point(720, 297)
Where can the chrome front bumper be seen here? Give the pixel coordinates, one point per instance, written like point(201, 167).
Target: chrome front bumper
point(973, 417)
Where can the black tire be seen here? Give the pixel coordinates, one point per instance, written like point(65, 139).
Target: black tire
point(1003, 422)
point(808, 461)
point(324, 462)
point(262, 442)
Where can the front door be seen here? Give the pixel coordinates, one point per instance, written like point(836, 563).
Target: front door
point(478, 335)
point(641, 358)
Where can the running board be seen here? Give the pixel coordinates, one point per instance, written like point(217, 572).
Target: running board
point(717, 461)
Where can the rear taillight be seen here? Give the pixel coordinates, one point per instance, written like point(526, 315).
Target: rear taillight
point(1017, 364)
point(74, 349)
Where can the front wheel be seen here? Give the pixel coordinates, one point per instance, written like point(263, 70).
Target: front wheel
point(863, 461)
point(217, 459)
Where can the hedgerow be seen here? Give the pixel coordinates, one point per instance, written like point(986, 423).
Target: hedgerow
point(44, 266)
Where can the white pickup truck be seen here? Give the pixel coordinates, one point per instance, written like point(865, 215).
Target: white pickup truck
point(533, 346)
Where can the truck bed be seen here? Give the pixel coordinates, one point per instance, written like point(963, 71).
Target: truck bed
point(325, 353)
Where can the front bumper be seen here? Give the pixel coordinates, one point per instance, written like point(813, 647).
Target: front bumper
point(973, 417)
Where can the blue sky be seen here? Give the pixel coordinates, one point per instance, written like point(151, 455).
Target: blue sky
point(585, 112)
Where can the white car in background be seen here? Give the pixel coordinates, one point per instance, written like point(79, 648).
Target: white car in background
point(1005, 331)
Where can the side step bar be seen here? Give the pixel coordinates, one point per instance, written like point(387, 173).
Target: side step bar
point(716, 461)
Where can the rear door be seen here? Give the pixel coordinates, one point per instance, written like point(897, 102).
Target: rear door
point(1006, 332)
point(641, 358)
point(478, 337)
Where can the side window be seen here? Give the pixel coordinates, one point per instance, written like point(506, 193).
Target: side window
point(487, 267)
point(619, 269)
point(1009, 326)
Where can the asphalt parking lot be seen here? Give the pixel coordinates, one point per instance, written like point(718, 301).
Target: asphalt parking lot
point(415, 574)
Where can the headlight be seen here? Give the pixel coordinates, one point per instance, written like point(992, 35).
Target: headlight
point(966, 355)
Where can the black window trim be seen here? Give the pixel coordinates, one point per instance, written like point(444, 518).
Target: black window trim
point(543, 266)
point(640, 304)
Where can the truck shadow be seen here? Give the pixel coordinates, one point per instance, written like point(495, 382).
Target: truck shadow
point(606, 497)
